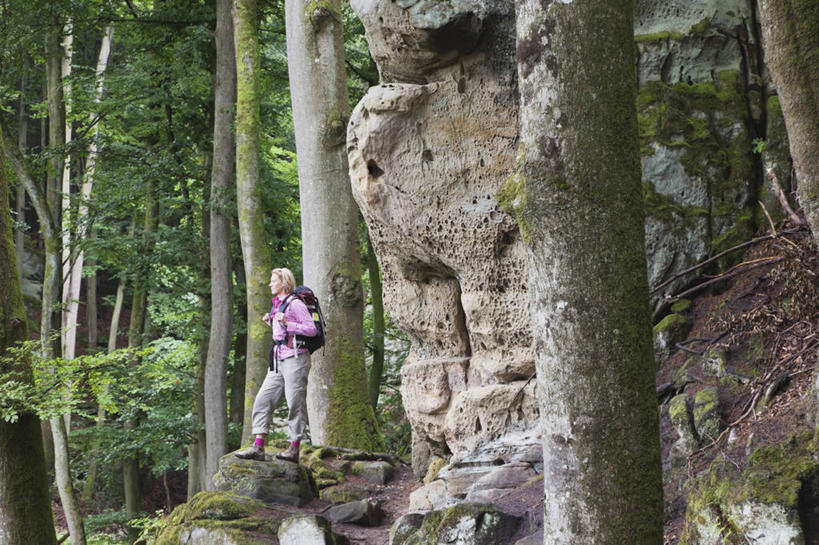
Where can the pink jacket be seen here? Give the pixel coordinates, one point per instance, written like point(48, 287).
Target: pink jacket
point(299, 322)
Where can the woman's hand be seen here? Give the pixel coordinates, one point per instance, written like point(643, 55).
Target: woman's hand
point(281, 319)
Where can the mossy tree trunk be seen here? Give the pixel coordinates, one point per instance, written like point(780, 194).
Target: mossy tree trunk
point(25, 505)
point(221, 278)
point(576, 194)
point(338, 407)
point(791, 42)
point(255, 253)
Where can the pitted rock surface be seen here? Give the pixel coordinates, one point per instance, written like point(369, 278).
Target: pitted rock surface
point(427, 158)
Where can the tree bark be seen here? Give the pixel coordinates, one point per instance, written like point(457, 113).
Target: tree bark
point(221, 278)
point(255, 254)
point(25, 506)
point(577, 196)
point(70, 299)
point(790, 43)
point(338, 407)
point(377, 367)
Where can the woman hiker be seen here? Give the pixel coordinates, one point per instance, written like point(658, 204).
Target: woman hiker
point(289, 367)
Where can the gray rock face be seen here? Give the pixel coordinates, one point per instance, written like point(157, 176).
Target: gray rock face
point(269, 481)
point(701, 99)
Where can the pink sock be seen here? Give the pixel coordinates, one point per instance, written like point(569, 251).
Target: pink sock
point(294, 443)
point(259, 441)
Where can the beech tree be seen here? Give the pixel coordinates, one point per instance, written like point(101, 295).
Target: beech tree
point(25, 505)
point(255, 254)
point(791, 42)
point(577, 196)
point(221, 331)
point(338, 406)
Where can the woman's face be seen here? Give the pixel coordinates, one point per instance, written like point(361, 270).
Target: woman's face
point(275, 284)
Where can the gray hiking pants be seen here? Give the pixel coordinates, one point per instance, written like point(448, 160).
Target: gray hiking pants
point(291, 380)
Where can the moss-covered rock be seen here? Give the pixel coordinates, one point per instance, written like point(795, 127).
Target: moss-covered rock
point(759, 504)
point(671, 330)
point(221, 518)
point(270, 481)
point(434, 468)
point(344, 493)
point(466, 523)
point(377, 472)
point(706, 410)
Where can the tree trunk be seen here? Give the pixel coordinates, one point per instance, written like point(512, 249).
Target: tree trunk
point(338, 407)
point(377, 367)
point(72, 278)
point(577, 196)
point(255, 253)
point(51, 278)
point(221, 278)
point(62, 471)
point(70, 298)
point(92, 309)
point(25, 506)
point(237, 379)
point(20, 200)
point(791, 41)
point(130, 466)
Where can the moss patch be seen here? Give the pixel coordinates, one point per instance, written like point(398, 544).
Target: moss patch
point(700, 118)
point(513, 199)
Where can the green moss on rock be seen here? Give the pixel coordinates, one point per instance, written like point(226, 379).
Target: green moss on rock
point(434, 468)
point(775, 473)
point(220, 506)
point(671, 322)
point(513, 199)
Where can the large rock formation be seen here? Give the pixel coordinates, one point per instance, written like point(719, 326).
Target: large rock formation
point(431, 147)
point(429, 150)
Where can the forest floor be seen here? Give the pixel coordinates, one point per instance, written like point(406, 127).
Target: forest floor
point(765, 321)
point(763, 316)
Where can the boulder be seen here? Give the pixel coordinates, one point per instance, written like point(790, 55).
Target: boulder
point(221, 518)
point(773, 500)
point(362, 512)
point(671, 330)
point(346, 492)
point(706, 410)
point(271, 481)
point(377, 472)
point(464, 524)
point(308, 530)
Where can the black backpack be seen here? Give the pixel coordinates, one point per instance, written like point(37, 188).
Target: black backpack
point(311, 302)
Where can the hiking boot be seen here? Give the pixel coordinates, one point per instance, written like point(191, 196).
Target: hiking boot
point(291, 453)
point(253, 452)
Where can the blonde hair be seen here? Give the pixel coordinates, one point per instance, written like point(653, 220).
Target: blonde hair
point(287, 279)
